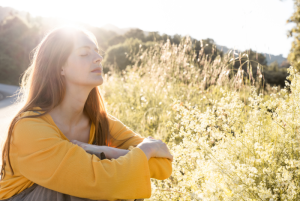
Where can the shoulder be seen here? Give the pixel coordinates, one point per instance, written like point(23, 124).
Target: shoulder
point(112, 118)
point(32, 117)
point(29, 127)
point(114, 122)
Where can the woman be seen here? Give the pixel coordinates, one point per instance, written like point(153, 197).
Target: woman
point(57, 140)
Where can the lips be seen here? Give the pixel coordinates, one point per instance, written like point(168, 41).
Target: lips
point(98, 70)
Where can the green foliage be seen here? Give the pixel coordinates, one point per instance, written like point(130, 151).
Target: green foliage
point(161, 73)
point(229, 142)
point(118, 39)
point(254, 57)
point(120, 56)
point(155, 36)
point(209, 48)
point(275, 75)
point(117, 55)
point(254, 65)
point(294, 56)
point(135, 33)
point(235, 151)
point(20, 36)
point(17, 39)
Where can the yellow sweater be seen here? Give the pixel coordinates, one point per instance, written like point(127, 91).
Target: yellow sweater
point(40, 153)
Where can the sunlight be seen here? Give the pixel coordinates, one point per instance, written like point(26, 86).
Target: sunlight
point(255, 26)
point(204, 77)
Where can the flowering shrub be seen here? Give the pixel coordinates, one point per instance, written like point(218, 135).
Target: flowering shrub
point(163, 73)
point(229, 141)
point(233, 151)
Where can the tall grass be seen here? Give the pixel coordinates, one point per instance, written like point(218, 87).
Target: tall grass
point(231, 138)
point(143, 95)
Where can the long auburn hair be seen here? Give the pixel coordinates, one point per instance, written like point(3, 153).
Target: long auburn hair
point(43, 86)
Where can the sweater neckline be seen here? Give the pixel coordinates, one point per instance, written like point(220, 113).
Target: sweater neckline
point(50, 119)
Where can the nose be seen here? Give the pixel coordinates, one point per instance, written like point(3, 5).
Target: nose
point(98, 59)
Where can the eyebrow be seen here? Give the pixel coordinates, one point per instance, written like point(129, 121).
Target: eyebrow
point(97, 50)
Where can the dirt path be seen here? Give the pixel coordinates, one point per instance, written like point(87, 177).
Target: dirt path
point(7, 109)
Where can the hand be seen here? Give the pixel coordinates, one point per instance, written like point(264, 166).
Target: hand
point(155, 148)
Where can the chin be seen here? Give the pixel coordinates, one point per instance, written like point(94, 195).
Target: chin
point(99, 82)
point(95, 81)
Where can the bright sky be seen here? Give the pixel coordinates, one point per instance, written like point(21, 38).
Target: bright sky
point(241, 24)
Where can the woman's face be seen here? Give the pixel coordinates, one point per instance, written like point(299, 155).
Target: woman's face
point(83, 66)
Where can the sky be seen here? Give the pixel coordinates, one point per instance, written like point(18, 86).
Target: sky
point(241, 24)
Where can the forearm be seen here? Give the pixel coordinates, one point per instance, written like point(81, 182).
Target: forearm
point(111, 152)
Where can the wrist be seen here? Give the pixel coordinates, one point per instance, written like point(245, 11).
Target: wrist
point(113, 153)
point(108, 151)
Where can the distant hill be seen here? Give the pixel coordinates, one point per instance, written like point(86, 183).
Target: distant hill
point(116, 29)
point(269, 57)
point(110, 27)
point(6, 11)
point(272, 58)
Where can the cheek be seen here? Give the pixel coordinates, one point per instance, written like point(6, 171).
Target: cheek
point(77, 70)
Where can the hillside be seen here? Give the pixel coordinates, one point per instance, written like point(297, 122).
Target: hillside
point(269, 57)
point(24, 32)
point(6, 11)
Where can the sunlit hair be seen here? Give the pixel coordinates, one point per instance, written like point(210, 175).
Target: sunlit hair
point(43, 86)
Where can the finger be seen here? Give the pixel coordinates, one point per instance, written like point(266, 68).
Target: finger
point(150, 138)
point(171, 158)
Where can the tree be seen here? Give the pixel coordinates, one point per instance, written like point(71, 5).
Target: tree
point(17, 39)
point(118, 55)
point(253, 58)
point(294, 56)
point(209, 48)
point(116, 40)
point(135, 33)
point(176, 39)
point(153, 36)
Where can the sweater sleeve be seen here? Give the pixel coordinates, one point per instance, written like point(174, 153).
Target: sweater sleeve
point(160, 168)
point(52, 162)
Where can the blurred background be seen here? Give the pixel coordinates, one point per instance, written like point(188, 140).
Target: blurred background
point(259, 27)
point(202, 75)
point(157, 51)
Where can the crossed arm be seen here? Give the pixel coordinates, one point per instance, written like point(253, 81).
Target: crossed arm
point(41, 156)
point(110, 152)
point(160, 168)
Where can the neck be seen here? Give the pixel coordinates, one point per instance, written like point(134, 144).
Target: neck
point(71, 110)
